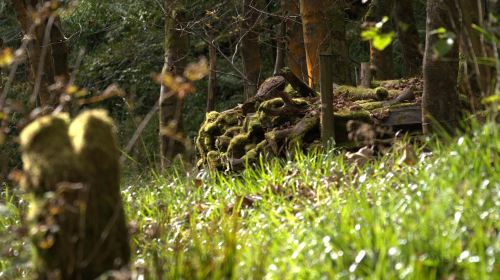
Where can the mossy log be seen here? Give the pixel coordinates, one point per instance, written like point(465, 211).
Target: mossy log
point(76, 219)
point(358, 93)
point(277, 126)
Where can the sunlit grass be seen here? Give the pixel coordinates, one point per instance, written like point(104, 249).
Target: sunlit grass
point(433, 216)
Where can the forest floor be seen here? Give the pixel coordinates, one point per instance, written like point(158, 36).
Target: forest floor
point(416, 212)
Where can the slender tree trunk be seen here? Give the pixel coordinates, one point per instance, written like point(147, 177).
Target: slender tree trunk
point(250, 50)
point(326, 84)
point(280, 48)
point(440, 103)
point(408, 37)
point(296, 54)
point(324, 31)
point(176, 46)
point(381, 60)
point(59, 51)
point(212, 76)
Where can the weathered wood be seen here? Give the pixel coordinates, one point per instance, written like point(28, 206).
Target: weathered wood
point(406, 95)
point(302, 88)
point(365, 75)
point(326, 85)
point(407, 115)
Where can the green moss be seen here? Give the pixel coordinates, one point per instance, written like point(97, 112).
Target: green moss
point(271, 104)
point(255, 125)
point(237, 145)
point(355, 93)
point(372, 105)
point(253, 154)
point(222, 142)
point(381, 93)
point(72, 174)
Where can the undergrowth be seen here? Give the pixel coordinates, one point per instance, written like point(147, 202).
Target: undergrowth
point(414, 213)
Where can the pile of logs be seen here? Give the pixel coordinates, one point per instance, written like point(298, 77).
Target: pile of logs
point(285, 116)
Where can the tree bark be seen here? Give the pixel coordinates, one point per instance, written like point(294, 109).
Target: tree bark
point(59, 51)
point(408, 37)
point(338, 43)
point(296, 54)
point(365, 75)
point(440, 103)
point(212, 76)
point(176, 46)
point(327, 118)
point(250, 50)
point(324, 31)
point(34, 48)
point(381, 60)
point(280, 48)
point(53, 55)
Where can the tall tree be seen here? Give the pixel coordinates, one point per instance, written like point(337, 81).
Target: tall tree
point(250, 50)
point(295, 54)
point(171, 103)
point(440, 103)
point(381, 60)
point(408, 37)
point(324, 31)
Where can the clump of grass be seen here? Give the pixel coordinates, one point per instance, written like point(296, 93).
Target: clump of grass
point(418, 213)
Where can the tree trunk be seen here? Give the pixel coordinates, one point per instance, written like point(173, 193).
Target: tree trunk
point(280, 48)
point(327, 118)
point(408, 37)
point(365, 75)
point(381, 60)
point(324, 30)
point(296, 54)
point(440, 103)
point(59, 51)
point(34, 48)
point(176, 46)
point(250, 50)
point(212, 76)
point(338, 43)
point(49, 49)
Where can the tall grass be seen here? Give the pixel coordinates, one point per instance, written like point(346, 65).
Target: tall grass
point(414, 213)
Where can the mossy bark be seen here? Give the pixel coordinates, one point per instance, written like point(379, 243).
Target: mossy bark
point(76, 219)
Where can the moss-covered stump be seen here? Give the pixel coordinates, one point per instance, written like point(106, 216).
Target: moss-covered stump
point(76, 219)
point(276, 125)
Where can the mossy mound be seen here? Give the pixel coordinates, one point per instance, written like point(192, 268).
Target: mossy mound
point(278, 125)
point(76, 219)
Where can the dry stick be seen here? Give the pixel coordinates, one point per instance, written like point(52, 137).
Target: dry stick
point(326, 86)
point(41, 65)
point(138, 131)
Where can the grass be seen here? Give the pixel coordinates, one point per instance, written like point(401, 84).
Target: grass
point(414, 213)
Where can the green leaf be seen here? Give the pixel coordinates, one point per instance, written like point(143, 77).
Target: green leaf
point(441, 47)
point(382, 41)
point(492, 99)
